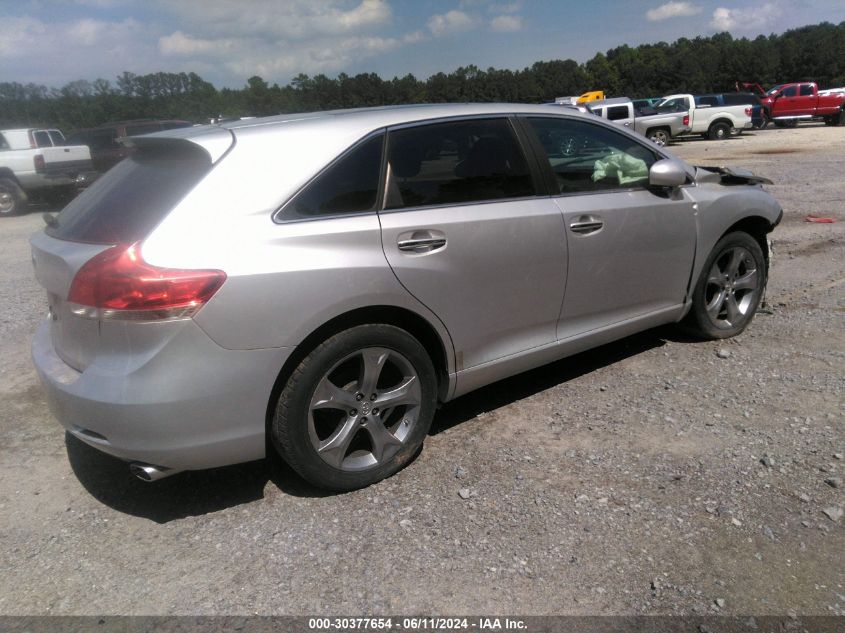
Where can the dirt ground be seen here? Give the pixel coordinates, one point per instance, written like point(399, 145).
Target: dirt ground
point(656, 475)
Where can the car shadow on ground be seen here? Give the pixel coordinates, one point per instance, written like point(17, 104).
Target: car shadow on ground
point(195, 493)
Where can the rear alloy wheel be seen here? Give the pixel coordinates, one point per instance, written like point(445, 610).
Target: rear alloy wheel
point(357, 408)
point(719, 132)
point(730, 288)
point(12, 199)
point(659, 136)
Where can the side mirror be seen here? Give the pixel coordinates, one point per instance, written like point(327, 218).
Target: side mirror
point(667, 173)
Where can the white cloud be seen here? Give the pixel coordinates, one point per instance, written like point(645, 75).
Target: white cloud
point(292, 19)
point(448, 23)
point(178, 43)
point(748, 19)
point(672, 10)
point(414, 38)
point(506, 23)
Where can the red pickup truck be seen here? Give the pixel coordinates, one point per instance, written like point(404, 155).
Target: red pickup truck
point(787, 104)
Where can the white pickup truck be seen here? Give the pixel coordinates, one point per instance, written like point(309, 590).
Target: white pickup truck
point(713, 122)
point(36, 163)
point(659, 127)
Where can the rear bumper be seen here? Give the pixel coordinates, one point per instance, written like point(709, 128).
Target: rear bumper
point(189, 405)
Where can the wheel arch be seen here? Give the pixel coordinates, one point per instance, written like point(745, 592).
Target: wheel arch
point(724, 120)
point(403, 318)
point(5, 172)
point(757, 227)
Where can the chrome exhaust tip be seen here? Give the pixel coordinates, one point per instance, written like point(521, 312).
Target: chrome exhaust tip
point(148, 472)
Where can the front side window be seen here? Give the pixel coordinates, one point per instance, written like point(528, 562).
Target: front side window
point(456, 163)
point(789, 92)
point(586, 157)
point(349, 185)
point(56, 138)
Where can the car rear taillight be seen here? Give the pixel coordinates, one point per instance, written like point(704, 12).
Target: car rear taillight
point(118, 284)
point(686, 119)
point(39, 163)
point(747, 111)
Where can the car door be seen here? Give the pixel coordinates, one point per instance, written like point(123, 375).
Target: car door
point(631, 247)
point(806, 101)
point(786, 102)
point(466, 233)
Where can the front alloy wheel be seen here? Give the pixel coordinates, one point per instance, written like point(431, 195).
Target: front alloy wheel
point(733, 288)
point(729, 288)
point(357, 408)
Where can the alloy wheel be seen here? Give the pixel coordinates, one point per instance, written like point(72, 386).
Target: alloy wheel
point(364, 408)
point(733, 284)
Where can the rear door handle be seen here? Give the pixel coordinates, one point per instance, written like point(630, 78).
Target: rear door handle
point(422, 242)
point(585, 225)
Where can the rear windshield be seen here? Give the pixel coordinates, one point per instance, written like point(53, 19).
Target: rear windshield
point(129, 201)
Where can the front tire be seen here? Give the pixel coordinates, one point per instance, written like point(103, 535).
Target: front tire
point(357, 408)
point(12, 198)
point(729, 289)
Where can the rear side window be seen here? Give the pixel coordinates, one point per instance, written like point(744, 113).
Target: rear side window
point(455, 163)
point(104, 139)
point(615, 113)
point(349, 185)
point(127, 203)
point(42, 138)
point(806, 90)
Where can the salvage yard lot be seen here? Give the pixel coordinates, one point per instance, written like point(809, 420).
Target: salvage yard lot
point(653, 475)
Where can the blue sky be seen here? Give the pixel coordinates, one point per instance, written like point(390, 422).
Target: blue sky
point(54, 42)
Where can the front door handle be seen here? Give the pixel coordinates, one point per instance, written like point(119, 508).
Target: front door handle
point(421, 242)
point(585, 225)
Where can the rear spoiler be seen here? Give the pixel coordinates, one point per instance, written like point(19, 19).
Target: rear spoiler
point(214, 141)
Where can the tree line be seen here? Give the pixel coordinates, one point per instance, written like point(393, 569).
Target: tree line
point(698, 65)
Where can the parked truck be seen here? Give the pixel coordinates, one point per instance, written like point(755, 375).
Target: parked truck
point(787, 104)
point(34, 163)
point(657, 126)
point(713, 122)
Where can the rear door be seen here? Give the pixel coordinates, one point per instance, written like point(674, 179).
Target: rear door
point(630, 248)
point(466, 233)
point(807, 99)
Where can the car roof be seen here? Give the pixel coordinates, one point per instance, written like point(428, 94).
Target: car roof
point(384, 116)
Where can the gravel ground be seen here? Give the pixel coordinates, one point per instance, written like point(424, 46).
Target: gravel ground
point(656, 475)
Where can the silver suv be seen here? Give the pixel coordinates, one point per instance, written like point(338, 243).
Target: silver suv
point(324, 280)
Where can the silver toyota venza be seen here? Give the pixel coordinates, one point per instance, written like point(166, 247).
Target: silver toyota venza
point(323, 280)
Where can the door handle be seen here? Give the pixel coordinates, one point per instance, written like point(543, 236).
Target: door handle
point(586, 225)
point(421, 244)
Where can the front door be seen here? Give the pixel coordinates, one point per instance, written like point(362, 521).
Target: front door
point(631, 248)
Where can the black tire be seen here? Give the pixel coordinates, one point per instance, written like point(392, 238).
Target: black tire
point(12, 198)
point(301, 430)
point(719, 131)
point(713, 291)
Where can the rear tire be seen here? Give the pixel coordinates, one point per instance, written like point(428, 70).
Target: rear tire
point(357, 408)
point(12, 198)
point(729, 289)
point(719, 131)
point(660, 136)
